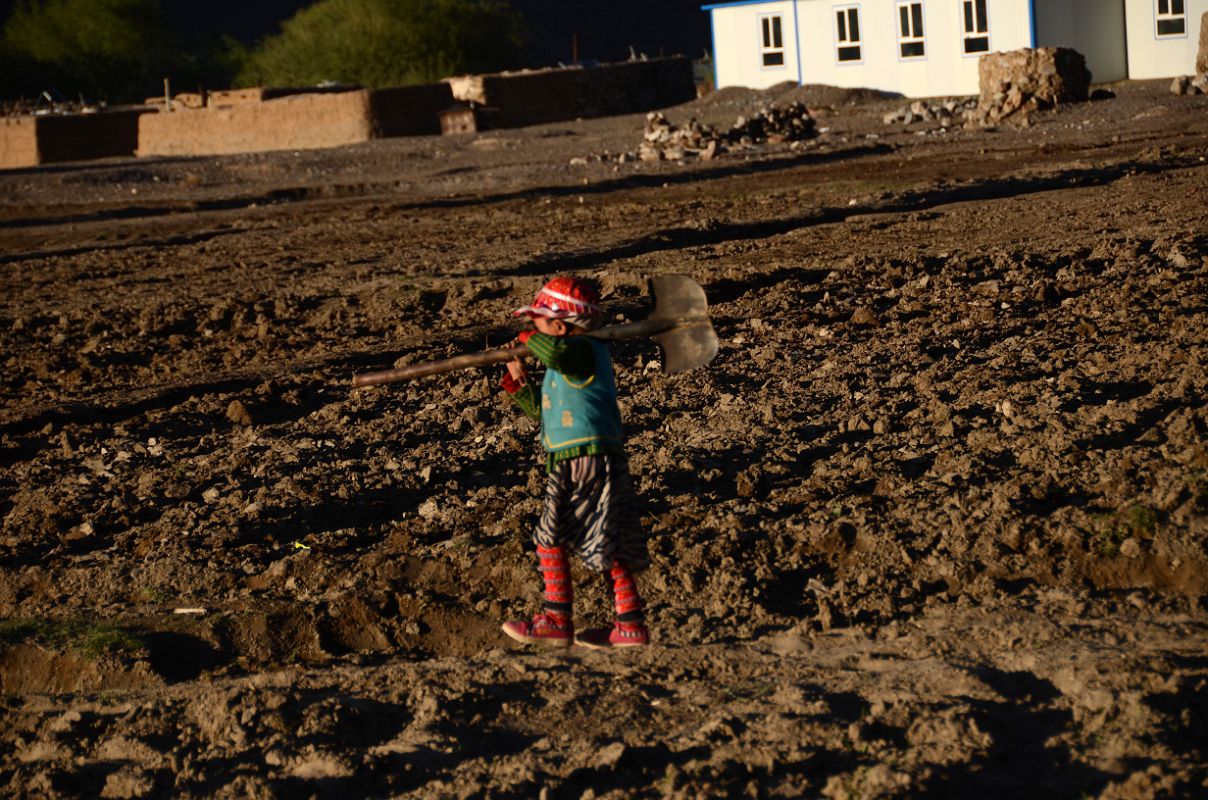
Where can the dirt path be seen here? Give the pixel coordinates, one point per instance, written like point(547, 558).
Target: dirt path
point(932, 524)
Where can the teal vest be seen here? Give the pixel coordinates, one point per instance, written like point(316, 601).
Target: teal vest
point(575, 415)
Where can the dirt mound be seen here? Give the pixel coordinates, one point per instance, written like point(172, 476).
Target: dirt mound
point(812, 94)
point(725, 105)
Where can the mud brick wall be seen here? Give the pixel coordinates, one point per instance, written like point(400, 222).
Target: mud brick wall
point(552, 95)
point(30, 141)
point(18, 142)
point(257, 120)
point(294, 122)
point(254, 94)
point(409, 110)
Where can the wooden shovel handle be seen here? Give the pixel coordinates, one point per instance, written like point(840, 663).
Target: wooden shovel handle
point(483, 359)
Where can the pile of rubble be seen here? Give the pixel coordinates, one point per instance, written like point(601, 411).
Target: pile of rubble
point(1018, 82)
point(664, 141)
point(944, 113)
point(1185, 84)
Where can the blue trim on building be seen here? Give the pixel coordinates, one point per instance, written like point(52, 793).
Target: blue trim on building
point(712, 6)
point(797, 42)
point(1032, 21)
point(713, 44)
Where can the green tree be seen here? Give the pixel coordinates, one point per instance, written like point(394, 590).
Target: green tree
point(104, 49)
point(379, 43)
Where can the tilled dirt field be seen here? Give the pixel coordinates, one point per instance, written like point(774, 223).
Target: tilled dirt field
point(933, 523)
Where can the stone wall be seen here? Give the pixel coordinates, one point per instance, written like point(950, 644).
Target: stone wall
point(246, 123)
point(1201, 57)
point(33, 140)
point(1030, 79)
point(552, 95)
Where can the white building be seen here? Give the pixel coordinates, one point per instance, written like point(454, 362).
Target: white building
point(927, 48)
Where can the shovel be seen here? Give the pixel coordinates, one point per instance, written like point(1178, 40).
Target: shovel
point(679, 325)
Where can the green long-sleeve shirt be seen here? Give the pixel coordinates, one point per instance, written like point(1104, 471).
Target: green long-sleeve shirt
point(571, 356)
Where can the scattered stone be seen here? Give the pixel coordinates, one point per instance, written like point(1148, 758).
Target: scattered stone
point(1182, 86)
point(751, 482)
point(126, 783)
point(664, 141)
point(237, 413)
point(82, 531)
point(942, 113)
point(610, 755)
point(864, 317)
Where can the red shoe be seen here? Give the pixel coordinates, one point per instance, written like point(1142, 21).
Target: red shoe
point(621, 634)
point(543, 629)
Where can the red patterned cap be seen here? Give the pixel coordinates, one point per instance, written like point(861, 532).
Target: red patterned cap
point(562, 298)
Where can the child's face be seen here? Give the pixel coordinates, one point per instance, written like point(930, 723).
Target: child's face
point(551, 327)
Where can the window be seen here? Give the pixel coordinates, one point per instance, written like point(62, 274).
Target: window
point(977, 31)
point(910, 30)
point(772, 41)
point(1172, 18)
point(847, 33)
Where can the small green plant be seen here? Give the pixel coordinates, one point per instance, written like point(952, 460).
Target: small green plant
point(1109, 538)
point(92, 639)
point(1135, 522)
point(152, 594)
point(97, 640)
point(16, 631)
point(1142, 521)
point(748, 691)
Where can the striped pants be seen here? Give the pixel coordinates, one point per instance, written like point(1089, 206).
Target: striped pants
point(590, 508)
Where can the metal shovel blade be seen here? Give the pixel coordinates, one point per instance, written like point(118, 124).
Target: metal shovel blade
point(691, 342)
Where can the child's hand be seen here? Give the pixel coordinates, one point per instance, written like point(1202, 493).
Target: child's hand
point(517, 371)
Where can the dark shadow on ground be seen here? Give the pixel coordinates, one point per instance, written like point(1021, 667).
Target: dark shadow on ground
point(1018, 761)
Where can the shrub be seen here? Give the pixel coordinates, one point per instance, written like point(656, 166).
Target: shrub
point(379, 43)
point(105, 49)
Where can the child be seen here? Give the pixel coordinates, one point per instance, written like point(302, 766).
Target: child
point(589, 501)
